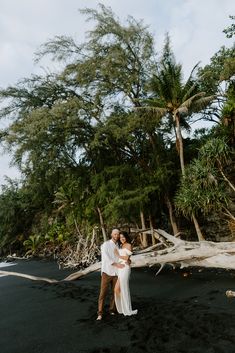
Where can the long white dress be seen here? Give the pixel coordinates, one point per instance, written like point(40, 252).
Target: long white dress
point(123, 300)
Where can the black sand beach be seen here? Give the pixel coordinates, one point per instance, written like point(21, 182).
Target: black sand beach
point(179, 311)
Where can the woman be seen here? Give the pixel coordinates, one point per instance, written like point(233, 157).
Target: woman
point(122, 290)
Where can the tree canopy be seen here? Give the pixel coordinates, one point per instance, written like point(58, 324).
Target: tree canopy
point(108, 140)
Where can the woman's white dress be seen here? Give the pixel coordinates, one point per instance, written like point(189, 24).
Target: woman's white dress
point(123, 300)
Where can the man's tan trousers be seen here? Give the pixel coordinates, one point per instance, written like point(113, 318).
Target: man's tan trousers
point(106, 281)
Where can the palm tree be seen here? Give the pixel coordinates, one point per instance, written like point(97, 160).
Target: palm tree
point(64, 198)
point(174, 99)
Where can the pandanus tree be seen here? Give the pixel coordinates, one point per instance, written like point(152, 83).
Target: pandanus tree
point(205, 187)
point(200, 193)
point(217, 154)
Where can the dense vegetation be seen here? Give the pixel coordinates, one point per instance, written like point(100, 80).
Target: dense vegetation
point(109, 141)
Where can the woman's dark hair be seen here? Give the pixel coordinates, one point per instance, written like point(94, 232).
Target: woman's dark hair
point(127, 236)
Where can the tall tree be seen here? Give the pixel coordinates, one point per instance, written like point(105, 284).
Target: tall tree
point(173, 99)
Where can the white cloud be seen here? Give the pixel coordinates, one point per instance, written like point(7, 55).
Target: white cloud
point(197, 29)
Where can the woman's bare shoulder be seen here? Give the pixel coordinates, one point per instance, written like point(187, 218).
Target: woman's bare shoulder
point(128, 246)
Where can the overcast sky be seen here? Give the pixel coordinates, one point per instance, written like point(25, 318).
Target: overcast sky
point(195, 28)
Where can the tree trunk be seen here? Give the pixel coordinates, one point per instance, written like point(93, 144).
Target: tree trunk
point(172, 217)
point(179, 142)
point(93, 238)
point(224, 177)
point(143, 236)
point(179, 145)
point(197, 227)
point(102, 224)
point(177, 252)
point(76, 225)
point(152, 230)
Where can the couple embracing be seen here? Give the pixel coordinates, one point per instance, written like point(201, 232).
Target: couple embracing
point(115, 272)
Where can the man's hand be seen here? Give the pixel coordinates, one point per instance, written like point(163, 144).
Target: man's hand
point(120, 265)
point(116, 264)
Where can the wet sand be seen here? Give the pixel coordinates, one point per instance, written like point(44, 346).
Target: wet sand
point(179, 311)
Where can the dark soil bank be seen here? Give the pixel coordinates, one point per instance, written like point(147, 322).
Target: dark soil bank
point(178, 312)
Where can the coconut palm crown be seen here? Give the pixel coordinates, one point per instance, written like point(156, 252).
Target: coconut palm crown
point(174, 99)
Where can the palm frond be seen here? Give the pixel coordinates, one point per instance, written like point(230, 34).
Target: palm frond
point(201, 103)
point(188, 102)
point(157, 111)
point(189, 89)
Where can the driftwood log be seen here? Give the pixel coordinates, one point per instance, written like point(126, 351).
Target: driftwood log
point(169, 250)
point(230, 293)
point(24, 275)
point(176, 252)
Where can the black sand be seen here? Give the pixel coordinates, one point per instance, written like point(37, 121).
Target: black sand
point(178, 313)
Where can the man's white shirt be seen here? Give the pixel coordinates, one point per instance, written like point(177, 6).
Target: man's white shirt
point(108, 258)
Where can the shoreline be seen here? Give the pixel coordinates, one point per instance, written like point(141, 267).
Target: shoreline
point(4, 264)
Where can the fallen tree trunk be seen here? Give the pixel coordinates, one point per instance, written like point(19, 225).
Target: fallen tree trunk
point(76, 275)
point(23, 275)
point(177, 252)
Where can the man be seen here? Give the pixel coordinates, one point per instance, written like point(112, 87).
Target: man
point(109, 266)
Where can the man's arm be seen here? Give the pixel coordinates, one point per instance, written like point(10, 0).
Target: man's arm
point(106, 253)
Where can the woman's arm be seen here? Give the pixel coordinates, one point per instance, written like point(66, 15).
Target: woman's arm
point(127, 258)
point(121, 257)
point(124, 257)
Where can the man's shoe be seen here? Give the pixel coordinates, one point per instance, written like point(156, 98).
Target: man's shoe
point(99, 318)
